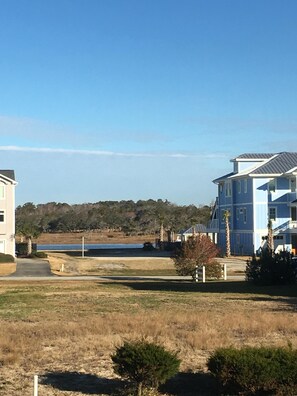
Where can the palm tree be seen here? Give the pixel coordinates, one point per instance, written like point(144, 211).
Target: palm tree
point(227, 231)
point(28, 230)
point(270, 243)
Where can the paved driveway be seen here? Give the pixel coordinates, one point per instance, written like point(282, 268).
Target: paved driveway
point(31, 268)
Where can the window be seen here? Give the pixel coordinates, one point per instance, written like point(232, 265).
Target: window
point(244, 215)
point(221, 187)
point(1, 216)
point(272, 214)
point(2, 191)
point(239, 186)
point(237, 213)
point(245, 186)
point(293, 185)
point(228, 189)
point(271, 186)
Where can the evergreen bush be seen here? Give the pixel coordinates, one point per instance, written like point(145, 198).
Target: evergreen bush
point(6, 258)
point(255, 371)
point(35, 254)
point(271, 268)
point(144, 364)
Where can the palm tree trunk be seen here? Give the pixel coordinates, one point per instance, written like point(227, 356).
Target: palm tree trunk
point(270, 243)
point(139, 389)
point(227, 229)
point(29, 247)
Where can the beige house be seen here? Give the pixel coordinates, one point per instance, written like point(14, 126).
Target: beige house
point(7, 212)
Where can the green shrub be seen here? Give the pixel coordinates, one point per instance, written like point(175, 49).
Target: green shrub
point(145, 364)
point(22, 248)
point(39, 254)
point(148, 246)
point(271, 269)
point(254, 371)
point(6, 258)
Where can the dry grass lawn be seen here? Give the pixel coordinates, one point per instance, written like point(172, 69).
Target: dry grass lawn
point(72, 265)
point(65, 331)
point(7, 268)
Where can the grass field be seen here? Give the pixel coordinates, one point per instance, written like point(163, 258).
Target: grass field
point(128, 266)
point(66, 331)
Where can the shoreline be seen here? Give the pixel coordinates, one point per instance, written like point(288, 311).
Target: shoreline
point(92, 237)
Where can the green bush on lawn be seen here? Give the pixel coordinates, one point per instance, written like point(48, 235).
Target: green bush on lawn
point(254, 371)
point(146, 365)
point(37, 255)
point(6, 258)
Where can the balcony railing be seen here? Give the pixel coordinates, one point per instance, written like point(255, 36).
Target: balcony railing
point(288, 225)
point(213, 225)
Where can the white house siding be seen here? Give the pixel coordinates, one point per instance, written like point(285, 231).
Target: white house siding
point(7, 228)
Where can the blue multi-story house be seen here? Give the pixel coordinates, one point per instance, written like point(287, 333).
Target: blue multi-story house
point(260, 188)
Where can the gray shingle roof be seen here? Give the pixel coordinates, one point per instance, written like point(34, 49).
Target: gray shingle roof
point(281, 163)
point(197, 228)
point(8, 173)
point(223, 177)
point(255, 156)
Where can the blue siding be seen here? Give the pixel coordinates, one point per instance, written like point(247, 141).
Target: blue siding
point(250, 210)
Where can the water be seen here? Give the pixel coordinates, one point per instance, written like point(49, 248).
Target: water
point(90, 246)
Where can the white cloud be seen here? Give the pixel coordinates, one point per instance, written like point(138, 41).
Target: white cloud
point(47, 150)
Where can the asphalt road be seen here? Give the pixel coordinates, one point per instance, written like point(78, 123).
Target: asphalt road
point(37, 270)
point(31, 268)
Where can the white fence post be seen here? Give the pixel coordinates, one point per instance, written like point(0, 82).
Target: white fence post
point(225, 271)
point(35, 388)
point(203, 273)
point(83, 246)
point(196, 274)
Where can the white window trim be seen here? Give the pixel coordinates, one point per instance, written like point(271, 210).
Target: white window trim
point(2, 187)
point(228, 190)
point(275, 209)
point(245, 184)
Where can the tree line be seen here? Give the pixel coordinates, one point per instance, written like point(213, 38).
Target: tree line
point(132, 218)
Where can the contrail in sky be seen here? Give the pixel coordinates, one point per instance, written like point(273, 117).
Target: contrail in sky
point(107, 153)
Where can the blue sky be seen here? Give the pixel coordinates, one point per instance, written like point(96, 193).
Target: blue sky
point(138, 99)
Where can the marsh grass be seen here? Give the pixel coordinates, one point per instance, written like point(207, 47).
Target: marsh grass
point(54, 327)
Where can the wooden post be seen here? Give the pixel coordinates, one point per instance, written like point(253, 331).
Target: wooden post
point(35, 388)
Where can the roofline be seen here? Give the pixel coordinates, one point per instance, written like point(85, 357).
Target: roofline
point(237, 159)
point(8, 179)
point(259, 159)
point(266, 174)
point(293, 170)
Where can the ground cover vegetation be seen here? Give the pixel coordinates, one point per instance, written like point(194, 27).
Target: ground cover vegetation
point(66, 332)
point(255, 371)
point(270, 268)
point(145, 364)
point(141, 217)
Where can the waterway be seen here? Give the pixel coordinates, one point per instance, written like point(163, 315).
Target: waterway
point(89, 246)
